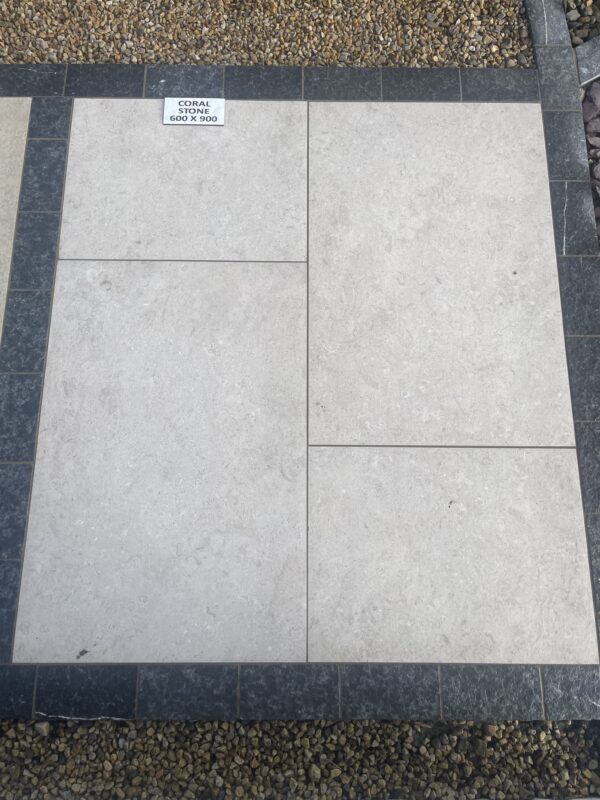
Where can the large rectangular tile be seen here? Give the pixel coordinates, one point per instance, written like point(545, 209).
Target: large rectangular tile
point(138, 189)
point(14, 119)
point(442, 554)
point(168, 514)
point(434, 303)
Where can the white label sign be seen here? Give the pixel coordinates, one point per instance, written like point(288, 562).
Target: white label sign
point(194, 111)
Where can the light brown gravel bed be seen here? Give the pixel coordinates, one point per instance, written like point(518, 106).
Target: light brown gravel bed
point(302, 32)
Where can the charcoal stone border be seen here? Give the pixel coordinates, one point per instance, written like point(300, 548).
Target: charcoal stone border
point(300, 690)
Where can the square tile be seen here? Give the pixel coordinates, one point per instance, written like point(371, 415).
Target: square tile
point(34, 251)
point(31, 79)
point(580, 295)
point(15, 483)
point(566, 146)
point(43, 175)
point(138, 189)
point(434, 301)
point(26, 320)
point(342, 83)
point(86, 692)
point(10, 573)
point(19, 405)
point(16, 692)
point(588, 450)
point(289, 691)
point(187, 691)
point(168, 513)
point(50, 117)
point(390, 691)
point(547, 22)
point(443, 554)
point(492, 692)
point(574, 220)
point(14, 118)
point(583, 355)
point(572, 692)
point(559, 82)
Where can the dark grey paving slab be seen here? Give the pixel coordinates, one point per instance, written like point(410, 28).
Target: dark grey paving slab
point(574, 220)
point(565, 145)
point(593, 533)
point(559, 84)
point(583, 358)
point(15, 484)
point(105, 80)
point(548, 22)
point(43, 175)
point(22, 80)
point(26, 320)
point(588, 453)
point(421, 84)
point(572, 692)
point(489, 692)
point(180, 691)
point(87, 691)
point(34, 251)
point(390, 691)
point(19, 404)
point(289, 691)
point(179, 80)
point(263, 83)
point(50, 117)
point(580, 295)
point(499, 85)
point(342, 83)
point(16, 691)
point(588, 60)
point(10, 573)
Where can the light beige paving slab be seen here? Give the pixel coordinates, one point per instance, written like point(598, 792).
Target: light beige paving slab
point(434, 303)
point(443, 555)
point(168, 516)
point(14, 120)
point(138, 189)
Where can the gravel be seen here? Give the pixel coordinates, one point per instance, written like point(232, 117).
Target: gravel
point(317, 760)
point(303, 32)
point(583, 19)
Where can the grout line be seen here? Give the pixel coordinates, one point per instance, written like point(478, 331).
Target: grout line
point(455, 446)
point(307, 351)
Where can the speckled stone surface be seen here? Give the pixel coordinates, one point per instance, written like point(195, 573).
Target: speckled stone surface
point(24, 341)
point(500, 692)
point(289, 691)
point(14, 115)
point(434, 303)
point(442, 554)
point(168, 514)
point(572, 693)
point(188, 691)
point(393, 691)
point(138, 189)
point(43, 175)
point(86, 691)
point(19, 404)
point(15, 482)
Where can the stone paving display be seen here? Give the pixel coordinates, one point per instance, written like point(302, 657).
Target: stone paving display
point(306, 436)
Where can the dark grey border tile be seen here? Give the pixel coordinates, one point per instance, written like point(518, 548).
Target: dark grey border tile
point(492, 85)
point(390, 691)
point(588, 60)
point(263, 83)
point(583, 359)
point(559, 85)
point(19, 406)
point(566, 146)
point(436, 84)
point(25, 80)
point(289, 691)
point(593, 537)
point(490, 692)
point(50, 117)
point(10, 577)
point(16, 691)
point(342, 83)
point(574, 219)
point(15, 487)
point(26, 321)
point(105, 80)
point(43, 175)
point(35, 250)
point(547, 22)
point(182, 80)
point(588, 454)
point(86, 691)
point(188, 691)
point(580, 295)
point(572, 692)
